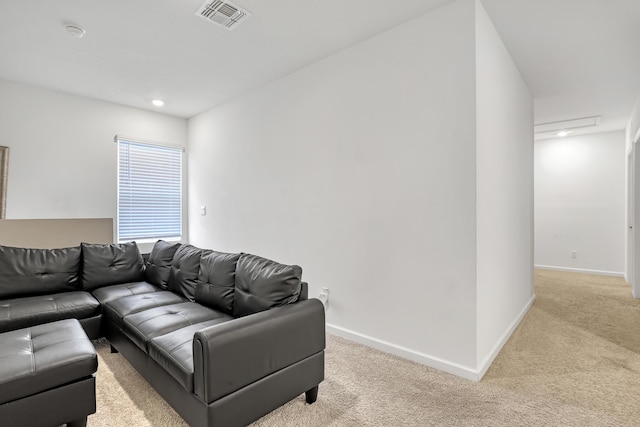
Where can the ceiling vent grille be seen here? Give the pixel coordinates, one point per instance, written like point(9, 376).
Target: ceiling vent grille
point(223, 13)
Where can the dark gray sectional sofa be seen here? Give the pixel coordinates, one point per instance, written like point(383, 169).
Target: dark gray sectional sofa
point(224, 338)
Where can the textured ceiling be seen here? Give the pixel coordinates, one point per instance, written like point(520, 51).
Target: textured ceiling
point(579, 57)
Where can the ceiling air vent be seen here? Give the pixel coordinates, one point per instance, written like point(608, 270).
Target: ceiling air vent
point(223, 13)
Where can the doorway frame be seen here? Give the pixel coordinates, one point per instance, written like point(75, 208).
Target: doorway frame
point(633, 216)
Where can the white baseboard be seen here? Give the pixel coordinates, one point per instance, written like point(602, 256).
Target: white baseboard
point(580, 270)
point(405, 353)
point(488, 360)
point(432, 361)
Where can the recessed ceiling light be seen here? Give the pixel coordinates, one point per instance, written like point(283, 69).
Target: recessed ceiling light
point(564, 133)
point(158, 102)
point(75, 30)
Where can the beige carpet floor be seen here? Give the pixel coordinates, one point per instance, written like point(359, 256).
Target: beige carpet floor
point(573, 361)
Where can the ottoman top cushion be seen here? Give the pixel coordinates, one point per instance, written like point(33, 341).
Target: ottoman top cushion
point(42, 357)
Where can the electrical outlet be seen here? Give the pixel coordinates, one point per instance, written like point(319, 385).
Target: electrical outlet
point(574, 254)
point(324, 297)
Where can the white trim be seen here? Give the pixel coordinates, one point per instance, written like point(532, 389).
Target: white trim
point(432, 361)
point(580, 270)
point(118, 138)
point(405, 353)
point(488, 360)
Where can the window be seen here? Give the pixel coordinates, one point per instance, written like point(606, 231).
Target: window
point(149, 191)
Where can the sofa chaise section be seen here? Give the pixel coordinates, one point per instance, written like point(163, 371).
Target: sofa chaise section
point(43, 285)
point(17, 313)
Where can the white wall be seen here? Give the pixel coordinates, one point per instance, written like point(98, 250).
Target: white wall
point(361, 169)
point(580, 202)
point(63, 160)
point(504, 193)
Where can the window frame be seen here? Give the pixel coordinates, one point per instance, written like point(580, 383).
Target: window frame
point(118, 139)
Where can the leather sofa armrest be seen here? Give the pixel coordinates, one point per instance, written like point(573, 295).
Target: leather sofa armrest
point(234, 354)
point(304, 291)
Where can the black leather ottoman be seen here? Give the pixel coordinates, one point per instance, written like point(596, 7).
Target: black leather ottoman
point(47, 375)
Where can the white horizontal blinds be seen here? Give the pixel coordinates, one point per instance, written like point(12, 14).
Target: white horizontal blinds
point(149, 191)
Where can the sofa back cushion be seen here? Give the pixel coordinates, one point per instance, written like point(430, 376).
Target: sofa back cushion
point(262, 284)
point(217, 280)
point(158, 266)
point(38, 271)
point(104, 265)
point(185, 268)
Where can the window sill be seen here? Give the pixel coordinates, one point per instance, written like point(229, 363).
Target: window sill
point(145, 241)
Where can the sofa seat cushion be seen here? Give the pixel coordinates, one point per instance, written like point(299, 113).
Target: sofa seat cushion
point(42, 357)
point(174, 351)
point(146, 325)
point(118, 309)
point(113, 292)
point(29, 311)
